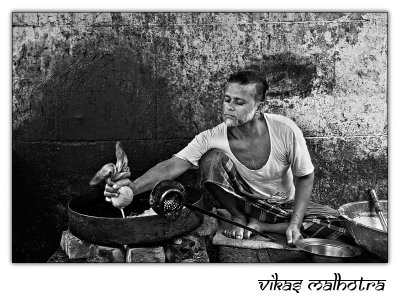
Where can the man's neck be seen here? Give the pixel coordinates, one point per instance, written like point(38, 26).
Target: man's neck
point(251, 129)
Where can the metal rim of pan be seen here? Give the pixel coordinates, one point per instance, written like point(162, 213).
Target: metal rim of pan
point(303, 243)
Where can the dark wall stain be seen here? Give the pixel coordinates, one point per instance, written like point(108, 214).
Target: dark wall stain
point(290, 75)
point(99, 96)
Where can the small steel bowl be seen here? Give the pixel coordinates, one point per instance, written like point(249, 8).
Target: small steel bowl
point(327, 251)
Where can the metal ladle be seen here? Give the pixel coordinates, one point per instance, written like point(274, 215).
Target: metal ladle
point(375, 204)
point(168, 198)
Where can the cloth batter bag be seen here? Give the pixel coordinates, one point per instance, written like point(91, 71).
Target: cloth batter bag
point(116, 172)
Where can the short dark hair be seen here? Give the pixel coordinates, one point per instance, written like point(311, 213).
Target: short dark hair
point(251, 77)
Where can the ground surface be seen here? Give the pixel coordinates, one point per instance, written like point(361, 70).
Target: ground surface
point(223, 254)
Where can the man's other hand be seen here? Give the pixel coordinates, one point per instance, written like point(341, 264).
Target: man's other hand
point(293, 234)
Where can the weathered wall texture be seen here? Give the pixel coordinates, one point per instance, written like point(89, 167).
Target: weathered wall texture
point(82, 81)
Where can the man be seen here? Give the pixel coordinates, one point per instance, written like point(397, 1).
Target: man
point(256, 165)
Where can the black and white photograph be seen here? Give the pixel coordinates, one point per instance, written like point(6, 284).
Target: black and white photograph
point(200, 137)
point(203, 139)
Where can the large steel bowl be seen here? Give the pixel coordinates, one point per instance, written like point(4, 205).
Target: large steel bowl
point(93, 219)
point(371, 238)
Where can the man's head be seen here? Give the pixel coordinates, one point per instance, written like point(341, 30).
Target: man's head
point(244, 94)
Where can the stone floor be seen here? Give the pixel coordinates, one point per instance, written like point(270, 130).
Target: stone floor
point(234, 255)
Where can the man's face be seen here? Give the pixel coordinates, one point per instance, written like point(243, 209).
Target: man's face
point(240, 105)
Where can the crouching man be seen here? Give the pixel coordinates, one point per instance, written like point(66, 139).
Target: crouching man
point(256, 165)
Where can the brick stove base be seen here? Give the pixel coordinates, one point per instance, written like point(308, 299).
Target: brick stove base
point(191, 248)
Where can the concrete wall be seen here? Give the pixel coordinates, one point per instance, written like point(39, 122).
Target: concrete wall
point(82, 81)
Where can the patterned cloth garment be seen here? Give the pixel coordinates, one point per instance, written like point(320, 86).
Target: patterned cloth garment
point(319, 221)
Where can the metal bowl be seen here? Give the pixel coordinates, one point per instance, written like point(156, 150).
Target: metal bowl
point(373, 239)
point(325, 250)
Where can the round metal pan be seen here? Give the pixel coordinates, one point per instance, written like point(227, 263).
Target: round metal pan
point(325, 250)
point(93, 219)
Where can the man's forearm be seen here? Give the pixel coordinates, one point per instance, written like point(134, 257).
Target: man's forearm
point(302, 197)
point(166, 170)
point(149, 179)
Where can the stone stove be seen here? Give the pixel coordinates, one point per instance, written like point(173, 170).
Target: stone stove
point(96, 233)
point(189, 248)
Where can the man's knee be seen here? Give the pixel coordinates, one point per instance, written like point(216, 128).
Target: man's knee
point(211, 158)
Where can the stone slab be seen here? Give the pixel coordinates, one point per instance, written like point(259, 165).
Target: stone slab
point(74, 247)
point(263, 256)
point(285, 256)
point(145, 255)
point(77, 249)
point(59, 256)
point(236, 255)
point(191, 248)
point(200, 255)
point(102, 254)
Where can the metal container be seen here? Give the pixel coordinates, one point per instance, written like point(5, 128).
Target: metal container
point(93, 219)
point(327, 251)
point(373, 239)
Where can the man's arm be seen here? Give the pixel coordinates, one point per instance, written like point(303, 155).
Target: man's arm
point(302, 197)
point(166, 170)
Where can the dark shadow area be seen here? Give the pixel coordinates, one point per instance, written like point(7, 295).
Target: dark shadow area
point(92, 99)
point(38, 217)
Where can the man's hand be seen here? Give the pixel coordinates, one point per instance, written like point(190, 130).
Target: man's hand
point(293, 234)
point(120, 198)
point(111, 188)
point(304, 185)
